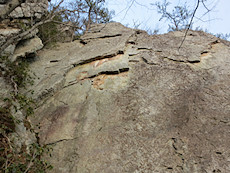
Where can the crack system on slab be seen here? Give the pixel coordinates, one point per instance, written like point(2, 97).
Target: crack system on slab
point(84, 41)
point(134, 40)
point(115, 72)
point(210, 48)
point(120, 52)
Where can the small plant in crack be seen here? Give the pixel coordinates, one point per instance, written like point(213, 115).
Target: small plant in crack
point(16, 73)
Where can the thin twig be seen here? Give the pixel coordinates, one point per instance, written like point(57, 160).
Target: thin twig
point(190, 23)
point(132, 2)
point(205, 6)
point(31, 162)
point(7, 162)
point(14, 85)
point(66, 24)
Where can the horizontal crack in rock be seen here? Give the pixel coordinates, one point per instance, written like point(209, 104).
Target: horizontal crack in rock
point(98, 58)
point(182, 61)
point(194, 61)
point(109, 36)
point(61, 140)
point(52, 61)
point(105, 36)
point(144, 48)
point(174, 60)
point(116, 72)
point(122, 70)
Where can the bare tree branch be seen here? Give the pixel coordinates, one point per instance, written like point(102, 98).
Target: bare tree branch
point(132, 2)
point(193, 15)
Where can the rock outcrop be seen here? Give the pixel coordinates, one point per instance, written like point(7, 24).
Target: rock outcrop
point(16, 18)
point(23, 17)
point(119, 100)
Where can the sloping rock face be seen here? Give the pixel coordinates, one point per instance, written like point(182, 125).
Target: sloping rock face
point(119, 100)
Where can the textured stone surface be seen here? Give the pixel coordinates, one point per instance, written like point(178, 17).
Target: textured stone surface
point(4, 91)
point(9, 32)
point(27, 47)
point(30, 9)
point(119, 100)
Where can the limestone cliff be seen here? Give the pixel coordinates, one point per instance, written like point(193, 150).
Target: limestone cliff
point(119, 100)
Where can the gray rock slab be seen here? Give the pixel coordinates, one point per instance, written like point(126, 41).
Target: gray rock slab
point(119, 100)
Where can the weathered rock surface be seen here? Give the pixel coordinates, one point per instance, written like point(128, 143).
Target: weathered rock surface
point(27, 47)
point(119, 100)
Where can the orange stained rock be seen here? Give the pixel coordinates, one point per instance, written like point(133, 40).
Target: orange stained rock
point(102, 61)
point(100, 80)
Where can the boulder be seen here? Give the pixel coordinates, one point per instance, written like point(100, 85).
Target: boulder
point(120, 100)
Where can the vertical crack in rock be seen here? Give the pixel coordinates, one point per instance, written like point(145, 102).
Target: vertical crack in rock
point(178, 145)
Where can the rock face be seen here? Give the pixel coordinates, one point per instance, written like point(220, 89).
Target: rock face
point(119, 100)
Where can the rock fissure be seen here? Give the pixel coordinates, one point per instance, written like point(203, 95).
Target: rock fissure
point(144, 48)
point(149, 63)
point(61, 140)
point(109, 36)
point(122, 70)
point(99, 58)
point(179, 151)
point(107, 73)
point(174, 60)
point(182, 61)
point(71, 83)
point(84, 41)
point(52, 61)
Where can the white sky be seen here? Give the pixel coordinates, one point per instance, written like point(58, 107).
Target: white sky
point(141, 12)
